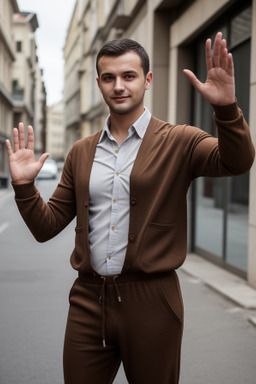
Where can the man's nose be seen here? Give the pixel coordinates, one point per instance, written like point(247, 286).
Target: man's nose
point(118, 85)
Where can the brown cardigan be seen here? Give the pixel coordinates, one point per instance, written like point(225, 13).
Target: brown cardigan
point(169, 158)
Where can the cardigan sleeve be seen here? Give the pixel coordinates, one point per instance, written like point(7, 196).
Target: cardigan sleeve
point(232, 153)
point(46, 220)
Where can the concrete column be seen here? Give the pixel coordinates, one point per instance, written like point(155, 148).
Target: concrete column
point(160, 61)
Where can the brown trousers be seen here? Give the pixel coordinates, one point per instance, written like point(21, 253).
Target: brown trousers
point(135, 318)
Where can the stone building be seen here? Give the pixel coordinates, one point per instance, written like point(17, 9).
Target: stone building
point(222, 212)
point(22, 90)
point(28, 88)
point(7, 57)
point(55, 131)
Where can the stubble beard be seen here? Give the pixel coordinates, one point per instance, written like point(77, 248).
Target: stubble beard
point(122, 108)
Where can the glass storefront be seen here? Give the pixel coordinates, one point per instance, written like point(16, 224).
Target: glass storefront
point(220, 214)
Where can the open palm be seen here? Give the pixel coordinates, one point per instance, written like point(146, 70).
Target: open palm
point(22, 162)
point(219, 88)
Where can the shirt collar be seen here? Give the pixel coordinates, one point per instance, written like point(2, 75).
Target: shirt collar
point(140, 125)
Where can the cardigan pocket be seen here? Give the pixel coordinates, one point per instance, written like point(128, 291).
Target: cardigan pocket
point(162, 226)
point(157, 248)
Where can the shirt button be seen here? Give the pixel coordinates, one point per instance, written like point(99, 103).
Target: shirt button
point(114, 201)
point(109, 257)
point(117, 173)
point(116, 151)
point(113, 228)
point(133, 201)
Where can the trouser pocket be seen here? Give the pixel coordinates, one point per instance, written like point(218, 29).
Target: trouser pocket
point(171, 295)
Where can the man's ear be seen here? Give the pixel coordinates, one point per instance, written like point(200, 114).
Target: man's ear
point(98, 81)
point(148, 80)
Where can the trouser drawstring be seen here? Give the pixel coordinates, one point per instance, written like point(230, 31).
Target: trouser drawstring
point(117, 290)
point(102, 302)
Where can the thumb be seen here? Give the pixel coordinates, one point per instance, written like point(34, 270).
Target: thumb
point(193, 79)
point(42, 159)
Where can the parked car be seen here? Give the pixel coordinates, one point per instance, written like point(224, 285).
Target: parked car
point(49, 170)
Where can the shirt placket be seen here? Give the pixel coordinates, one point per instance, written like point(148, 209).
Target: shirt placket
point(113, 230)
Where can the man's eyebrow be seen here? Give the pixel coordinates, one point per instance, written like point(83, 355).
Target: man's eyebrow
point(130, 71)
point(106, 74)
point(123, 73)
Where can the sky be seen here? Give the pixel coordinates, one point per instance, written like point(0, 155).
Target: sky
point(53, 19)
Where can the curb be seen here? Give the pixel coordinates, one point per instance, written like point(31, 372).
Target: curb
point(252, 320)
point(231, 286)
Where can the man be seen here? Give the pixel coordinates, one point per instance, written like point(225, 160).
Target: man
point(127, 185)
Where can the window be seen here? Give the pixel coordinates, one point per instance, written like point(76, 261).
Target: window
point(19, 46)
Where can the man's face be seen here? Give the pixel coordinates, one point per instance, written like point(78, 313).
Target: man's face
point(122, 82)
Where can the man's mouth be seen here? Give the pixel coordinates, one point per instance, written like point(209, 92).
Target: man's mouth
point(120, 98)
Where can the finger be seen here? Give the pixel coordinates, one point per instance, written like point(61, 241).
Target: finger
point(21, 136)
point(230, 67)
point(208, 53)
point(9, 147)
point(217, 49)
point(224, 55)
point(30, 138)
point(43, 158)
point(16, 139)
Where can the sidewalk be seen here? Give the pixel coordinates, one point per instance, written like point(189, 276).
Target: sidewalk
point(231, 286)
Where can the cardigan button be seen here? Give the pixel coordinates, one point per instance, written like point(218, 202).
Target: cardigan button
point(133, 201)
point(132, 238)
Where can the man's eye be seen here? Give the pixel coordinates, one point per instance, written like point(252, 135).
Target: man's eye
point(129, 77)
point(107, 78)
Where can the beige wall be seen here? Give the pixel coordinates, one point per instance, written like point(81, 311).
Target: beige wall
point(72, 56)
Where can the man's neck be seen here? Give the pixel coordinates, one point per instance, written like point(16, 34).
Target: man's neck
point(120, 124)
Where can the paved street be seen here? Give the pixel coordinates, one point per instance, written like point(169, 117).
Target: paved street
point(219, 344)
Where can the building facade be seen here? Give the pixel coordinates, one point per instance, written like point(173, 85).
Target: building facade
point(222, 212)
point(55, 131)
point(22, 90)
point(71, 93)
point(28, 88)
point(7, 57)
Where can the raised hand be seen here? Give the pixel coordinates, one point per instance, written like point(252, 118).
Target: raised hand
point(23, 165)
point(219, 88)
